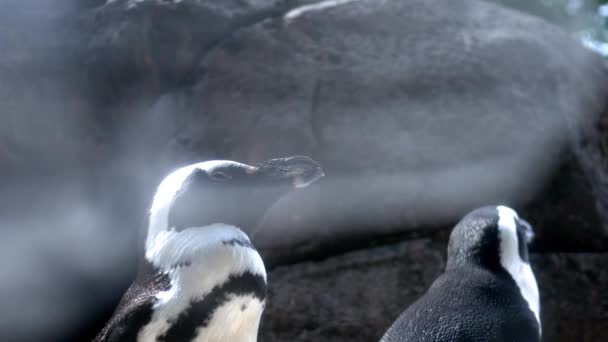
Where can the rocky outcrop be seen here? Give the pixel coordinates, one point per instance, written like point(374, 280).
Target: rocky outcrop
point(417, 110)
point(416, 117)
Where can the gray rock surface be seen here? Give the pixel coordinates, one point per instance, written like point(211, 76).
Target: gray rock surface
point(418, 110)
point(356, 296)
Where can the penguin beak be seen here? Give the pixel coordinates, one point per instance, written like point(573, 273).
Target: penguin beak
point(528, 231)
point(299, 171)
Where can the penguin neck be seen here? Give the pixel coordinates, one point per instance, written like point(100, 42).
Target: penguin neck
point(220, 248)
point(522, 274)
point(518, 269)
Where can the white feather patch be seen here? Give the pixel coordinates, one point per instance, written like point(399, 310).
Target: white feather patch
point(236, 321)
point(211, 263)
point(511, 261)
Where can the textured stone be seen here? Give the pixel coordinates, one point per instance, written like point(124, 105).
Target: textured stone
point(416, 118)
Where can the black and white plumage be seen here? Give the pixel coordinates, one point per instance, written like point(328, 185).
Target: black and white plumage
point(200, 278)
point(487, 291)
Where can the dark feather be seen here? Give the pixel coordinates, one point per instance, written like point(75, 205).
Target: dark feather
point(200, 311)
point(135, 308)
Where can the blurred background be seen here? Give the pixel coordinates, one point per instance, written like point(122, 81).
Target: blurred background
point(586, 19)
point(418, 110)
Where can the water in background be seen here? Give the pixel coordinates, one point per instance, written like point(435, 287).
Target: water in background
point(587, 19)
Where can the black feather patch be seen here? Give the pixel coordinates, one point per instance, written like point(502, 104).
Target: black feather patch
point(136, 307)
point(200, 312)
point(522, 243)
point(242, 243)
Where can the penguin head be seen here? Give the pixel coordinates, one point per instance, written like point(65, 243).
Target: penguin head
point(491, 237)
point(496, 239)
point(224, 192)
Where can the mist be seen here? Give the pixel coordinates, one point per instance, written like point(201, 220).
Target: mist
point(86, 135)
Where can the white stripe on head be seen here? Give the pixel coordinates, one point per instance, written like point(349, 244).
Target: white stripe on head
point(512, 262)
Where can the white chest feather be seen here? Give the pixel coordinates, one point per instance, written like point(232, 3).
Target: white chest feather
point(206, 260)
point(235, 321)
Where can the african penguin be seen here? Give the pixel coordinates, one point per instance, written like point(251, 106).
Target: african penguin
point(487, 291)
point(200, 278)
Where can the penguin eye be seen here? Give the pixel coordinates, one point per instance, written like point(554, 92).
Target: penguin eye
point(219, 176)
point(526, 231)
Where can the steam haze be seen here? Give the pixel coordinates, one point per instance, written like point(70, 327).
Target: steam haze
point(80, 160)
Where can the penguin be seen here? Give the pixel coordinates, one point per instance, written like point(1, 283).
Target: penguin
point(200, 278)
point(487, 291)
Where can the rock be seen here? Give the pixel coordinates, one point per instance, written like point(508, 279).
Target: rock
point(356, 296)
point(572, 208)
point(45, 117)
point(418, 111)
point(574, 307)
point(417, 117)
